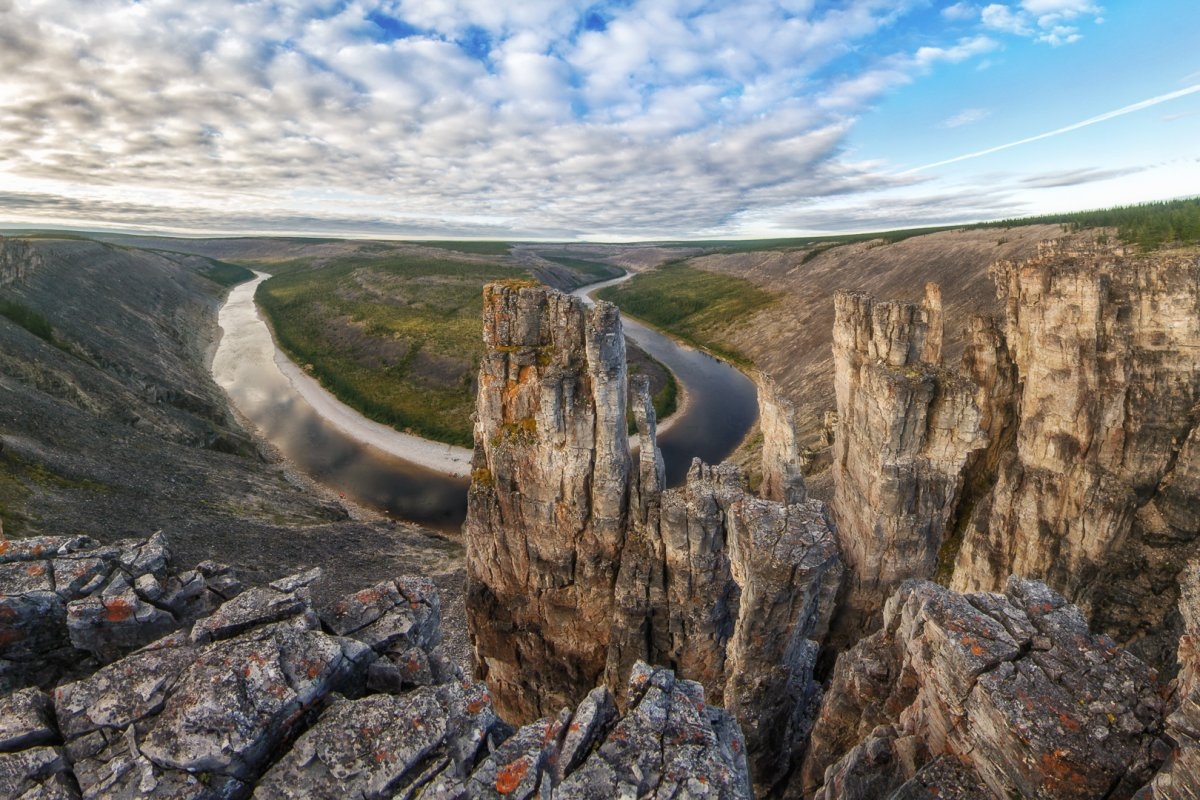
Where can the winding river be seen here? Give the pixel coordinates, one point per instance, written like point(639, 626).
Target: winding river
point(421, 481)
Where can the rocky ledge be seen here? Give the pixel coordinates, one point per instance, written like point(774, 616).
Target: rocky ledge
point(127, 679)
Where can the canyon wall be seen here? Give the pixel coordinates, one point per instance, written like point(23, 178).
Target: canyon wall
point(906, 429)
point(17, 260)
point(580, 564)
point(1098, 493)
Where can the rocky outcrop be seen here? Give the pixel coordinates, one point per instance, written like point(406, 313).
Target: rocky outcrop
point(548, 500)
point(265, 698)
point(17, 260)
point(1098, 495)
point(1005, 695)
point(782, 460)
point(1179, 778)
point(67, 599)
point(581, 565)
point(906, 429)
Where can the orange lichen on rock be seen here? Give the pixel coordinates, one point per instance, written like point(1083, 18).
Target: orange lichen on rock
point(510, 775)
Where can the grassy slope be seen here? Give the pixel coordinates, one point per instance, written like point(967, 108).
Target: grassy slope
point(396, 337)
point(692, 304)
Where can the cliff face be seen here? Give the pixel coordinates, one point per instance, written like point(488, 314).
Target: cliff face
point(17, 260)
point(1098, 495)
point(580, 566)
point(548, 500)
point(906, 430)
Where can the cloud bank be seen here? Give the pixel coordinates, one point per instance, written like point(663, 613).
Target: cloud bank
point(556, 118)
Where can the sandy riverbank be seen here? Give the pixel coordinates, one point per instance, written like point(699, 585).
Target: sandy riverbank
point(437, 456)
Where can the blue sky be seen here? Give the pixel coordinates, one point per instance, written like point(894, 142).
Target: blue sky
point(629, 119)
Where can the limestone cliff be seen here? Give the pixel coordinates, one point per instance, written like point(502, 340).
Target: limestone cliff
point(782, 460)
point(581, 566)
point(548, 500)
point(1098, 494)
point(906, 429)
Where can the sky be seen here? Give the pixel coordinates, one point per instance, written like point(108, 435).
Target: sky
point(613, 120)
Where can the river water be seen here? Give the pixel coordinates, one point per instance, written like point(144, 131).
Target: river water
point(720, 407)
point(721, 403)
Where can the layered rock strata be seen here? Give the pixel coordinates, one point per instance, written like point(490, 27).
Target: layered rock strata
point(266, 698)
point(549, 496)
point(1004, 695)
point(580, 564)
point(782, 460)
point(906, 430)
point(1098, 494)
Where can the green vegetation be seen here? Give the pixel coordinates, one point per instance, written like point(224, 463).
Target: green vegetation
point(666, 399)
point(226, 274)
point(689, 303)
point(1148, 225)
point(394, 336)
point(28, 319)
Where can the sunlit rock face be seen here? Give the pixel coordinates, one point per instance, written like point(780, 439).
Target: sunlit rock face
point(549, 497)
point(1098, 495)
point(906, 431)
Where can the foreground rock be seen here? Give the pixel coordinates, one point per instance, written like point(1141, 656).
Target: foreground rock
point(580, 565)
point(265, 698)
point(69, 600)
point(1180, 776)
point(1004, 695)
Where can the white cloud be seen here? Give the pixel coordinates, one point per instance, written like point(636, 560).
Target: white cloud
point(960, 12)
point(1045, 20)
point(652, 117)
point(967, 116)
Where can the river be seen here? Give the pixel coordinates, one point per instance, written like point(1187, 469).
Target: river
point(720, 403)
point(373, 465)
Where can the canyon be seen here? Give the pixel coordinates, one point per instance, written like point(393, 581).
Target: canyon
point(1044, 481)
point(987, 585)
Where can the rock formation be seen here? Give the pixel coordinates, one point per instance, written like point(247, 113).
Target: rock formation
point(1002, 695)
point(17, 260)
point(548, 498)
point(782, 461)
point(1098, 495)
point(906, 429)
point(264, 697)
point(1179, 778)
point(580, 565)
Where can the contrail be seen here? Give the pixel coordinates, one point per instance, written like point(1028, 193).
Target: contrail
point(1120, 112)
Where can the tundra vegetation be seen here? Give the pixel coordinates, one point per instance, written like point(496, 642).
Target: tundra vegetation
point(396, 337)
point(690, 304)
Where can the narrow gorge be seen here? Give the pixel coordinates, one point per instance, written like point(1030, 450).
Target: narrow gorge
point(1044, 481)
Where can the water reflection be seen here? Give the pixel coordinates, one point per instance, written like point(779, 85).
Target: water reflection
point(721, 407)
point(244, 365)
point(722, 403)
